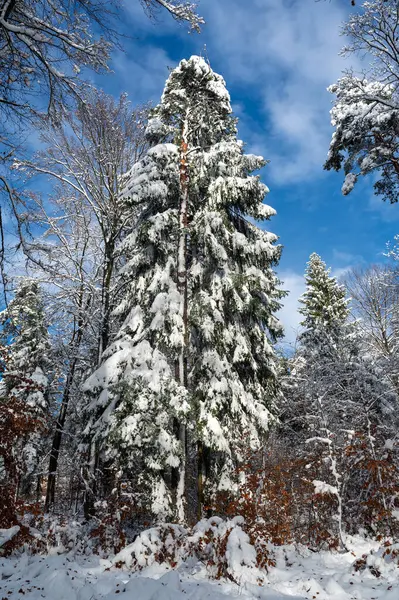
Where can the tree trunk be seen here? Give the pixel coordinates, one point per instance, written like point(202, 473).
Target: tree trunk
point(56, 445)
point(38, 488)
point(91, 482)
point(59, 428)
point(200, 480)
point(106, 301)
point(182, 363)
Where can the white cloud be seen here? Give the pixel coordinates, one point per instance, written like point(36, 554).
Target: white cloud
point(143, 78)
point(289, 51)
point(383, 211)
point(341, 272)
point(288, 315)
point(346, 257)
point(283, 53)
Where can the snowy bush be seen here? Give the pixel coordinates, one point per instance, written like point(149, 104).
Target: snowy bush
point(225, 547)
point(222, 545)
point(158, 544)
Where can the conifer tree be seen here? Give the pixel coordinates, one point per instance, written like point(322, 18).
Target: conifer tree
point(191, 372)
point(334, 398)
point(24, 334)
point(324, 307)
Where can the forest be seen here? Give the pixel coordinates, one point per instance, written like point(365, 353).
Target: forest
point(163, 431)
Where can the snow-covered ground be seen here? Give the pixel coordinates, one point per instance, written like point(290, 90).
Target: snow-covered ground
point(298, 574)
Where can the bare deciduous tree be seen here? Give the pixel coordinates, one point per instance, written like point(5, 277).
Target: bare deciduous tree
point(181, 11)
point(44, 45)
point(374, 297)
point(87, 156)
point(85, 160)
point(365, 114)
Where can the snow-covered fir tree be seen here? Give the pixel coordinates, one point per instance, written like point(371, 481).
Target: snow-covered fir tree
point(191, 374)
point(324, 307)
point(24, 334)
point(339, 408)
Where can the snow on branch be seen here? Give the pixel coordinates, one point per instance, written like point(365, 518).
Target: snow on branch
point(181, 11)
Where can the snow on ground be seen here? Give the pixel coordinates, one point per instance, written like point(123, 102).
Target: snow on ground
point(298, 574)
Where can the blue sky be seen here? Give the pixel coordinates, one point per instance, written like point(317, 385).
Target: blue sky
point(277, 58)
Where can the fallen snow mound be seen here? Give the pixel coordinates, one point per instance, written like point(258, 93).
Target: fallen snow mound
point(299, 574)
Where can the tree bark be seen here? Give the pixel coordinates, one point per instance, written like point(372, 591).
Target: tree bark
point(106, 301)
point(182, 363)
point(56, 444)
point(10, 5)
point(59, 428)
point(200, 480)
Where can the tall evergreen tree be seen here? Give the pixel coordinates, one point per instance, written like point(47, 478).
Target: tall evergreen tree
point(192, 370)
point(24, 334)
